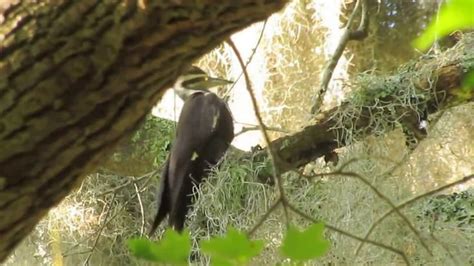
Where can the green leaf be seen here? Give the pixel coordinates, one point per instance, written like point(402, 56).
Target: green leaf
point(305, 245)
point(143, 248)
point(454, 15)
point(173, 248)
point(234, 248)
point(468, 81)
point(466, 91)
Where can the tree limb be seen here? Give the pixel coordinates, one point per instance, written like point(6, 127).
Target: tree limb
point(76, 77)
point(437, 78)
point(347, 35)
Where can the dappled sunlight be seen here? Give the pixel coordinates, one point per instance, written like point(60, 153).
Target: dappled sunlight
point(447, 154)
point(75, 217)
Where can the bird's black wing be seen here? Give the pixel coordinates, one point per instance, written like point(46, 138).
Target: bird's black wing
point(195, 129)
point(222, 131)
point(204, 132)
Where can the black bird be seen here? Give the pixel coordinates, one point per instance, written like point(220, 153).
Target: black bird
point(204, 132)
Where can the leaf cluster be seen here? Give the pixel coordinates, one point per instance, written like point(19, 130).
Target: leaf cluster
point(233, 248)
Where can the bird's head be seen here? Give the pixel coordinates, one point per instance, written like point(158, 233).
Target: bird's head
point(195, 79)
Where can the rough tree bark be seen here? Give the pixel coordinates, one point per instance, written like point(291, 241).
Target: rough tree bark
point(78, 76)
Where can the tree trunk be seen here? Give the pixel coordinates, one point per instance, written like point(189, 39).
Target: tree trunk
point(78, 76)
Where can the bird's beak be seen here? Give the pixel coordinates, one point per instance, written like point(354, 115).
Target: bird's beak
point(208, 83)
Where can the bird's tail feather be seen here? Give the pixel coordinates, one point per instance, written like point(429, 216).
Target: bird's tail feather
point(163, 200)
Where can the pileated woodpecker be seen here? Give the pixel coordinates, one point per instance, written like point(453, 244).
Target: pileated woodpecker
point(204, 132)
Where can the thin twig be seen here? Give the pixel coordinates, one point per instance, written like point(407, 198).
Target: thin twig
point(384, 198)
point(310, 178)
point(142, 228)
point(78, 243)
point(443, 245)
point(386, 173)
point(342, 232)
point(347, 35)
point(250, 57)
point(278, 178)
point(129, 182)
point(99, 233)
point(264, 217)
point(365, 158)
point(256, 127)
point(410, 201)
point(143, 188)
point(271, 153)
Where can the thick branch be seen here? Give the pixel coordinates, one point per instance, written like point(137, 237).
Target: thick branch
point(78, 76)
point(440, 77)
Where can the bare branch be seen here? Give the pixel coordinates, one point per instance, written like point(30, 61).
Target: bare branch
point(347, 36)
point(142, 212)
point(411, 201)
point(99, 233)
point(342, 232)
point(250, 57)
point(256, 127)
point(264, 217)
point(384, 198)
point(271, 152)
